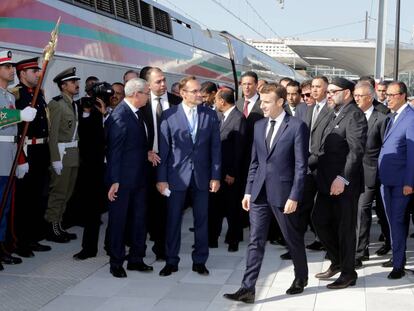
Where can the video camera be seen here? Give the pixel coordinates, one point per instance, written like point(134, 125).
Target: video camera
point(101, 90)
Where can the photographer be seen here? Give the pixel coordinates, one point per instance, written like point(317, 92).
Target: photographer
point(92, 167)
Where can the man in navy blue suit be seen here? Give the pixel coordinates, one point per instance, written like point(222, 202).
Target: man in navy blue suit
point(127, 154)
point(396, 171)
point(274, 188)
point(190, 152)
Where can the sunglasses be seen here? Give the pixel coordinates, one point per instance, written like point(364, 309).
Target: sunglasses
point(305, 95)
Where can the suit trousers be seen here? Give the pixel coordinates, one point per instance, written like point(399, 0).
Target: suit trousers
point(396, 209)
point(335, 219)
point(129, 205)
point(260, 215)
point(364, 220)
point(306, 206)
point(382, 217)
point(176, 205)
point(61, 189)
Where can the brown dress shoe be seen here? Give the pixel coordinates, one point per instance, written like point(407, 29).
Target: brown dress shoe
point(332, 270)
point(343, 282)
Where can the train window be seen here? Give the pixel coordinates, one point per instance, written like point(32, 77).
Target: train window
point(121, 9)
point(134, 11)
point(162, 21)
point(105, 6)
point(146, 15)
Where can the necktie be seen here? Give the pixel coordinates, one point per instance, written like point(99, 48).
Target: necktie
point(142, 122)
point(293, 111)
point(270, 134)
point(245, 108)
point(158, 110)
point(390, 122)
point(315, 115)
point(193, 123)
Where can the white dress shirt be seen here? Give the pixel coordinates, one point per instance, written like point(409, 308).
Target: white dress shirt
point(399, 112)
point(279, 121)
point(368, 113)
point(154, 103)
point(226, 114)
point(252, 100)
point(187, 111)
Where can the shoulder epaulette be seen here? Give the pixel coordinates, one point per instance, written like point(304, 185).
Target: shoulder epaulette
point(15, 91)
point(56, 98)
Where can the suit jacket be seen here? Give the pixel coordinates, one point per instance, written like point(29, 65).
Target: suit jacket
point(301, 110)
point(127, 148)
point(180, 157)
point(255, 114)
point(396, 164)
point(375, 135)
point(282, 170)
point(380, 107)
point(342, 149)
point(232, 136)
point(149, 120)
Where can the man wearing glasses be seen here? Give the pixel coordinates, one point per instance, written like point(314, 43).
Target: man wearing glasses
point(190, 151)
point(306, 95)
point(396, 171)
point(340, 182)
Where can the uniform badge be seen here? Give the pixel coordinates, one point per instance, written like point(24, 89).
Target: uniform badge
point(3, 115)
point(70, 124)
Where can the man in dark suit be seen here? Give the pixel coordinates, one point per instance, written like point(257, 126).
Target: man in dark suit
point(227, 199)
point(364, 95)
point(159, 101)
point(274, 188)
point(340, 181)
point(396, 171)
point(127, 154)
point(189, 148)
point(378, 105)
point(293, 106)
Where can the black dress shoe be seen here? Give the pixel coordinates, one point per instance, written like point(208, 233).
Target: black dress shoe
point(84, 254)
point(233, 247)
point(342, 282)
point(139, 266)
point(243, 295)
point(37, 247)
point(332, 270)
point(8, 259)
point(358, 263)
point(315, 246)
point(286, 256)
point(381, 238)
point(383, 250)
point(24, 251)
point(168, 269)
point(297, 286)
point(118, 272)
point(200, 269)
point(412, 235)
point(387, 264)
point(191, 229)
point(213, 244)
point(396, 274)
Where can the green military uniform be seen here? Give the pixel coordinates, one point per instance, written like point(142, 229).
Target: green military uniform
point(63, 145)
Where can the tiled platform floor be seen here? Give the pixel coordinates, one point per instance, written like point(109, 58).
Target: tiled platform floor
point(54, 281)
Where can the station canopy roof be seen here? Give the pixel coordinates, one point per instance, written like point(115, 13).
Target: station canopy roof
point(357, 57)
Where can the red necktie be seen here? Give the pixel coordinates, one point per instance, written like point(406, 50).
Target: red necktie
point(245, 110)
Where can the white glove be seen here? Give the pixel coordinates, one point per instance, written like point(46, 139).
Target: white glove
point(28, 114)
point(21, 170)
point(58, 167)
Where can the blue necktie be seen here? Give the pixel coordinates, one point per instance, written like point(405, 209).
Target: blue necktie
point(193, 121)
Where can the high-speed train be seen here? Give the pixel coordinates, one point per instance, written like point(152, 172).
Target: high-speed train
point(105, 38)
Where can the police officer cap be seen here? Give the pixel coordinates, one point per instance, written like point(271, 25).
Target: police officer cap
point(343, 83)
point(6, 58)
point(66, 75)
point(30, 63)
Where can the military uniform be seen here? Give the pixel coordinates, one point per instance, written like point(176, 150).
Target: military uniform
point(31, 191)
point(63, 145)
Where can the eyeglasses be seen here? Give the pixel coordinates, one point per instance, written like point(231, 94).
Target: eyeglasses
point(333, 92)
point(146, 93)
point(392, 95)
point(360, 95)
point(305, 95)
point(194, 92)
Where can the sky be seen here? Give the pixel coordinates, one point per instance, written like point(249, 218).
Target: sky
point(302, 19)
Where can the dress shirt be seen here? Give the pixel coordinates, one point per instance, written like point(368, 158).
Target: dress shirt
point(252, 100)
point(279, 121)
point(226, 114)
point(134, 110)
point(164, 105)
point(368, 113)
point(399, 112)
point(187, 111)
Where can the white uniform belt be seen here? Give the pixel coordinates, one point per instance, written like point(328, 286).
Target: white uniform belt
point(36, 141)
point(72, 144)
point(8, 139)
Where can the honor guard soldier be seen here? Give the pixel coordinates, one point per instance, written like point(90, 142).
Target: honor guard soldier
point(9, 115)
point(31, 191)
point(64, 153)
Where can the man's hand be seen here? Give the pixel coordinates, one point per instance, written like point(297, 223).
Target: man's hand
point(101, 107)
point(246, 202)
point(21, 170)
point(113, 191)
point(407, 190)
point(214, 185)
point(229, 180)
point(162, 186)
point(337, 187)
point(290, 206)
point(57, 167)
point(153, 158)
point(28, 114)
